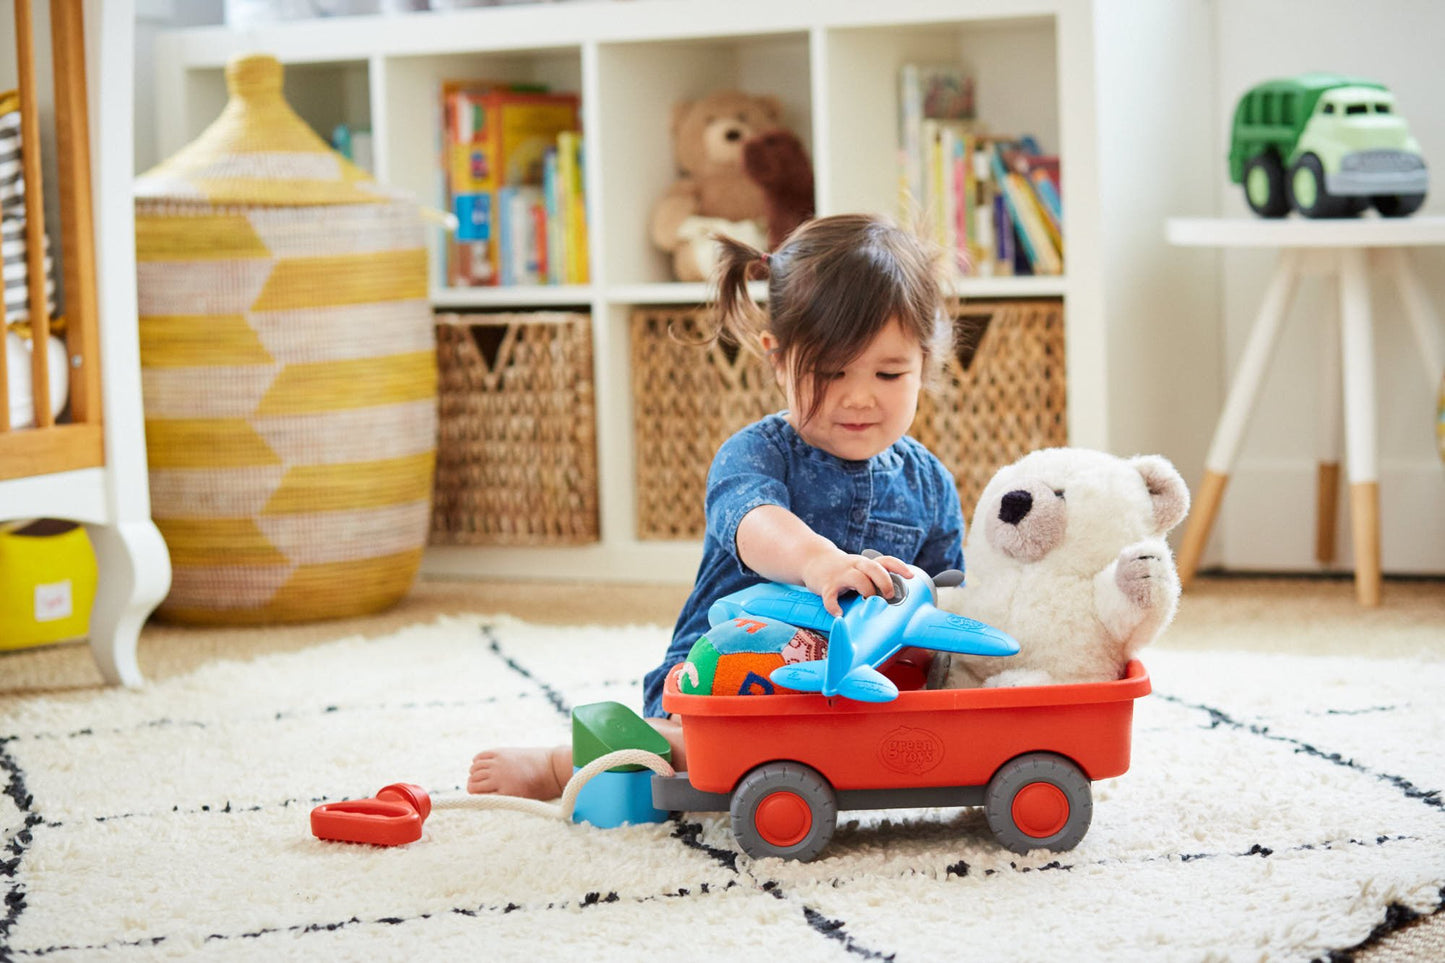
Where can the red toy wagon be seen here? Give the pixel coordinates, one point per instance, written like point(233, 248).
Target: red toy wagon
point(784, 765)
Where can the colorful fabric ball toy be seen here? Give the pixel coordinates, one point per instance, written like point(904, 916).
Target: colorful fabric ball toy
point(736, 656)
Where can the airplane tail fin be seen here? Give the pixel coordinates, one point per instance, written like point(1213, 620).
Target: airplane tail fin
point(866, 684)
point(799, 676)
point(840, 657)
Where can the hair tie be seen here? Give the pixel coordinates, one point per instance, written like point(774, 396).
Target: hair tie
point(766, 258)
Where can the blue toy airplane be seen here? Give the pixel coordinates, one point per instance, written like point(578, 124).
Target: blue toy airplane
point(867, 634)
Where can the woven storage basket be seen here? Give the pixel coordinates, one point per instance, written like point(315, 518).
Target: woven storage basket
point(517, 457)
point(1002, 395)
point(289, 370)
point(687, 400)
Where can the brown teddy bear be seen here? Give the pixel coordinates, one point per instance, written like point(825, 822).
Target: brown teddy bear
point(777, 162)
point(714, 192)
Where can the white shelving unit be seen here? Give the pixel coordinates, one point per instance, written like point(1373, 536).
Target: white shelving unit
point(1062, 70)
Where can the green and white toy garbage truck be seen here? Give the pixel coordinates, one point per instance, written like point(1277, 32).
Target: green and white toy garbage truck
point(1326, 145)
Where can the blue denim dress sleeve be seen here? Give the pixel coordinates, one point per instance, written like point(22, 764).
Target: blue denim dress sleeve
point(901, 502)
point(749, 470)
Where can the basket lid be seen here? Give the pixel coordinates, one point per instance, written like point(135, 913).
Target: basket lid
point(259, 152)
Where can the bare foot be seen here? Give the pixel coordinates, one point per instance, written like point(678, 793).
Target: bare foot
point(531, 772)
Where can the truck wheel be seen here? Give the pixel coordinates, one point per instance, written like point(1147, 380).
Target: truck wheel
point(783, 809)
point(1398, 205)
point(1264, 185)
point(1039, 801)
point(1307, 191)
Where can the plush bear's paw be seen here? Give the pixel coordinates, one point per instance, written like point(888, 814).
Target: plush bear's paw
point(1145, 574)
point(1010, 678)
point(696, 256)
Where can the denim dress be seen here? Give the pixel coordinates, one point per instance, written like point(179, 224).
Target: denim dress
point(900, 502)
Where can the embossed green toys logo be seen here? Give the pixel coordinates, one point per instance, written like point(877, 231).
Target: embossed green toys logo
point(910, 750)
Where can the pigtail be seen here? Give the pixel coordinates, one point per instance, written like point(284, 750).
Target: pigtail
point(738, 316)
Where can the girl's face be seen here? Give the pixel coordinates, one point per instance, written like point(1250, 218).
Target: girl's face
point(869, 404)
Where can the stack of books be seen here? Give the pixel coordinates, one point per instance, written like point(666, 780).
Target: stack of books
point(513, 159)
point(993, 201)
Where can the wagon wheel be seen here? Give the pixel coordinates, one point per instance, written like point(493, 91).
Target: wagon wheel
point(1039, 801)
point(783, 809)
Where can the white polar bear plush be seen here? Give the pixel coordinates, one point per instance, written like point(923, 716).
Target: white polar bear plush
point(1067, 554)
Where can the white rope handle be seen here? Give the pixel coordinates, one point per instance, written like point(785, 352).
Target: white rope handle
point(562, 809)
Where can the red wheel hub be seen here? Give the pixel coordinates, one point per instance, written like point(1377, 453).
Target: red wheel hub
point(1040, 810)
point(783, 819)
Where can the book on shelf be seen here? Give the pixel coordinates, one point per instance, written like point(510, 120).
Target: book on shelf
point(992, 202)
point(927, 92)
point(496, 141)
point(572, 207)
point(946, 145)
point(1024, 210)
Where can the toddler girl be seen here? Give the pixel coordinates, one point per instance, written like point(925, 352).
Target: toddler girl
point(855, 327)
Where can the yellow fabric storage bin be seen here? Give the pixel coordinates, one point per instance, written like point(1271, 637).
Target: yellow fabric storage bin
point(289, 367)
point(47, 583)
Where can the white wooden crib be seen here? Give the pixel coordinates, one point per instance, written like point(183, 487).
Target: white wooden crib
point(92, 468)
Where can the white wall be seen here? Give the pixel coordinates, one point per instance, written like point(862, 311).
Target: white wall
point(1162, 303)
point(1267, 521)
point(151, 17)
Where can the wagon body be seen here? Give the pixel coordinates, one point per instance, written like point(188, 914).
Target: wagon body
point(922, 739)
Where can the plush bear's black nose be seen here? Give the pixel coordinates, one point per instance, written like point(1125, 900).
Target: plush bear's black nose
point(734, 134)
point(1015, 506)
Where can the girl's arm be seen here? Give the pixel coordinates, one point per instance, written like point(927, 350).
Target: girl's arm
point(780, 546)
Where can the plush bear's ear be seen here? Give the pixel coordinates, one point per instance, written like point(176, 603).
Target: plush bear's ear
point(771, 106)
point(1166, 488)
point(679, 114)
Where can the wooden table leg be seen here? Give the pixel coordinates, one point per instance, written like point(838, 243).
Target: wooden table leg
point(1327, 504)
point(1238, 407)
point(1327, 440)
point(1204, 506)
point(1358, 352)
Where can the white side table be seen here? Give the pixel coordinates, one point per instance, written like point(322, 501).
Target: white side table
point(1342, 249)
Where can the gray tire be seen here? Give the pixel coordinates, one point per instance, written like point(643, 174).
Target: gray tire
point(1039, 801)
point(1307, 193)
point(1398, 205)
point(783, 809)
point(1264, 185)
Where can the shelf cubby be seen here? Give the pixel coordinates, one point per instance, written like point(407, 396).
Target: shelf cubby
point(1060, 70)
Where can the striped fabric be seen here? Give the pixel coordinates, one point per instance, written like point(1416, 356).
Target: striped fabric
point(289, 370)
point(16, 269)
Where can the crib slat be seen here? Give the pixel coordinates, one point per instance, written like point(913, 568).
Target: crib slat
point(34, 215)
point(77, 224)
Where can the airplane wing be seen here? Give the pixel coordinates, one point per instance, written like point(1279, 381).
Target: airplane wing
point(946, 632)
point(787, 603)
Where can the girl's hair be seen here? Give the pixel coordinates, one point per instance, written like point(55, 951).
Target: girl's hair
point(833, 284)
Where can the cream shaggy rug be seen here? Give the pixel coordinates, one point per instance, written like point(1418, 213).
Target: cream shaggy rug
point(1278, 807)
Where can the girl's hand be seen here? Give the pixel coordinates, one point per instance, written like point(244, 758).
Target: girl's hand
point(830, 574)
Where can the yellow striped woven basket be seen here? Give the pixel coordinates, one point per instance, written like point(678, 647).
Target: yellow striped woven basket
point(289, 366)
